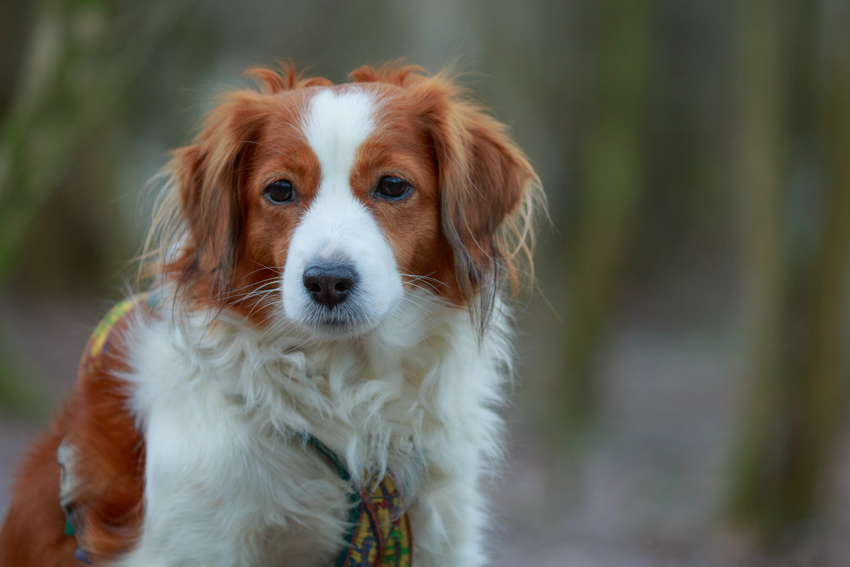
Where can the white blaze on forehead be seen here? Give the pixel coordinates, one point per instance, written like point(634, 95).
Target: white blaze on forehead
point(335, 125)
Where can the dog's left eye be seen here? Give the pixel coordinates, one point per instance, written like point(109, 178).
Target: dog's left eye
point(279, 191)
point(392, 187)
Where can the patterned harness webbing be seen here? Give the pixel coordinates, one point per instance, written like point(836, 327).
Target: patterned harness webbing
point(99, 342)
point(380, 533)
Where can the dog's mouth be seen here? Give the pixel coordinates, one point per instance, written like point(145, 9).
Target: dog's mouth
point(341, 321)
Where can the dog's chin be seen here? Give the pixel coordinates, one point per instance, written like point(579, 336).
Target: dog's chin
point(335, 324)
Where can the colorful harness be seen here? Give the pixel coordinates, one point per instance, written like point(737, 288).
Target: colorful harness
point(380, 533)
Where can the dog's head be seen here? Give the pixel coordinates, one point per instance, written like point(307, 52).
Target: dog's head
point(325, 204)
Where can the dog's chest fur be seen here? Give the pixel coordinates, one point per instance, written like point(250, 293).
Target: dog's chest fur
point(228, 480)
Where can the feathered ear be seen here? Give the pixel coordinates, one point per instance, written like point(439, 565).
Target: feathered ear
point(207, 177)
point(489, 193)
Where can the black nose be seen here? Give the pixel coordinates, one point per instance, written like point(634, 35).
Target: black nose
point(329, 284)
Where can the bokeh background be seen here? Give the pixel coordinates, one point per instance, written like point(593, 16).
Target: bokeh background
point(682, 395)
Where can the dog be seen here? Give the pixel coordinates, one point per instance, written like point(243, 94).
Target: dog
point(314, 374)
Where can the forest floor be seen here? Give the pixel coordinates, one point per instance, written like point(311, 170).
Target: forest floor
point(646, 491)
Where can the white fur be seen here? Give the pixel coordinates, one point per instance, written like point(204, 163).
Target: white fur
point(337, 227)
point(229, 481)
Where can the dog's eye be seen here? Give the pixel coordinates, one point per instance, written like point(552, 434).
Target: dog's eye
point(391, 187)
point(279, 192)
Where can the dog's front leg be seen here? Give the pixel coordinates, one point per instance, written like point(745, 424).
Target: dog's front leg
point(449, 519)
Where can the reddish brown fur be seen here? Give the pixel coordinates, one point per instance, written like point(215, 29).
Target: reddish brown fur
point(111, 454)
point(110, 461)
point(469, 177)
point(465, 226)
point(485, 181)
point(403, 148)
point(34, 532)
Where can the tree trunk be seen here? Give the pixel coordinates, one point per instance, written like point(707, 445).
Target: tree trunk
point(796, 319)
point(609, 193)
point(71, 83)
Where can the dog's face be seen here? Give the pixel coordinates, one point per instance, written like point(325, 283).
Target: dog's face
point(368, 215)
point(326, 204)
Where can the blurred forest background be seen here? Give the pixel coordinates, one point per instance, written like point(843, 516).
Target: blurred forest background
point(683, 389)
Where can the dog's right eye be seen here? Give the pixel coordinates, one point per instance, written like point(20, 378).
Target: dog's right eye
point(279, 192)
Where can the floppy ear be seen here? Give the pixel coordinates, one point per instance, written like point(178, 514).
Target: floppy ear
point(489, 191)
point(208, 175)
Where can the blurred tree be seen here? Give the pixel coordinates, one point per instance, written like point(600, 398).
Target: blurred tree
point(797, 297)
point(611, 171)
point(82, 55)
point(14, 25)
point(72, 79)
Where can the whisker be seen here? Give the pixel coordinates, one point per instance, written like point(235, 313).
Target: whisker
point(433, 301)
point(424, 278)
point(257, 304)
point(261, 284)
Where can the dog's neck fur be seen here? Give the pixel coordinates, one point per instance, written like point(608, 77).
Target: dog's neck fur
point(414, 397)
